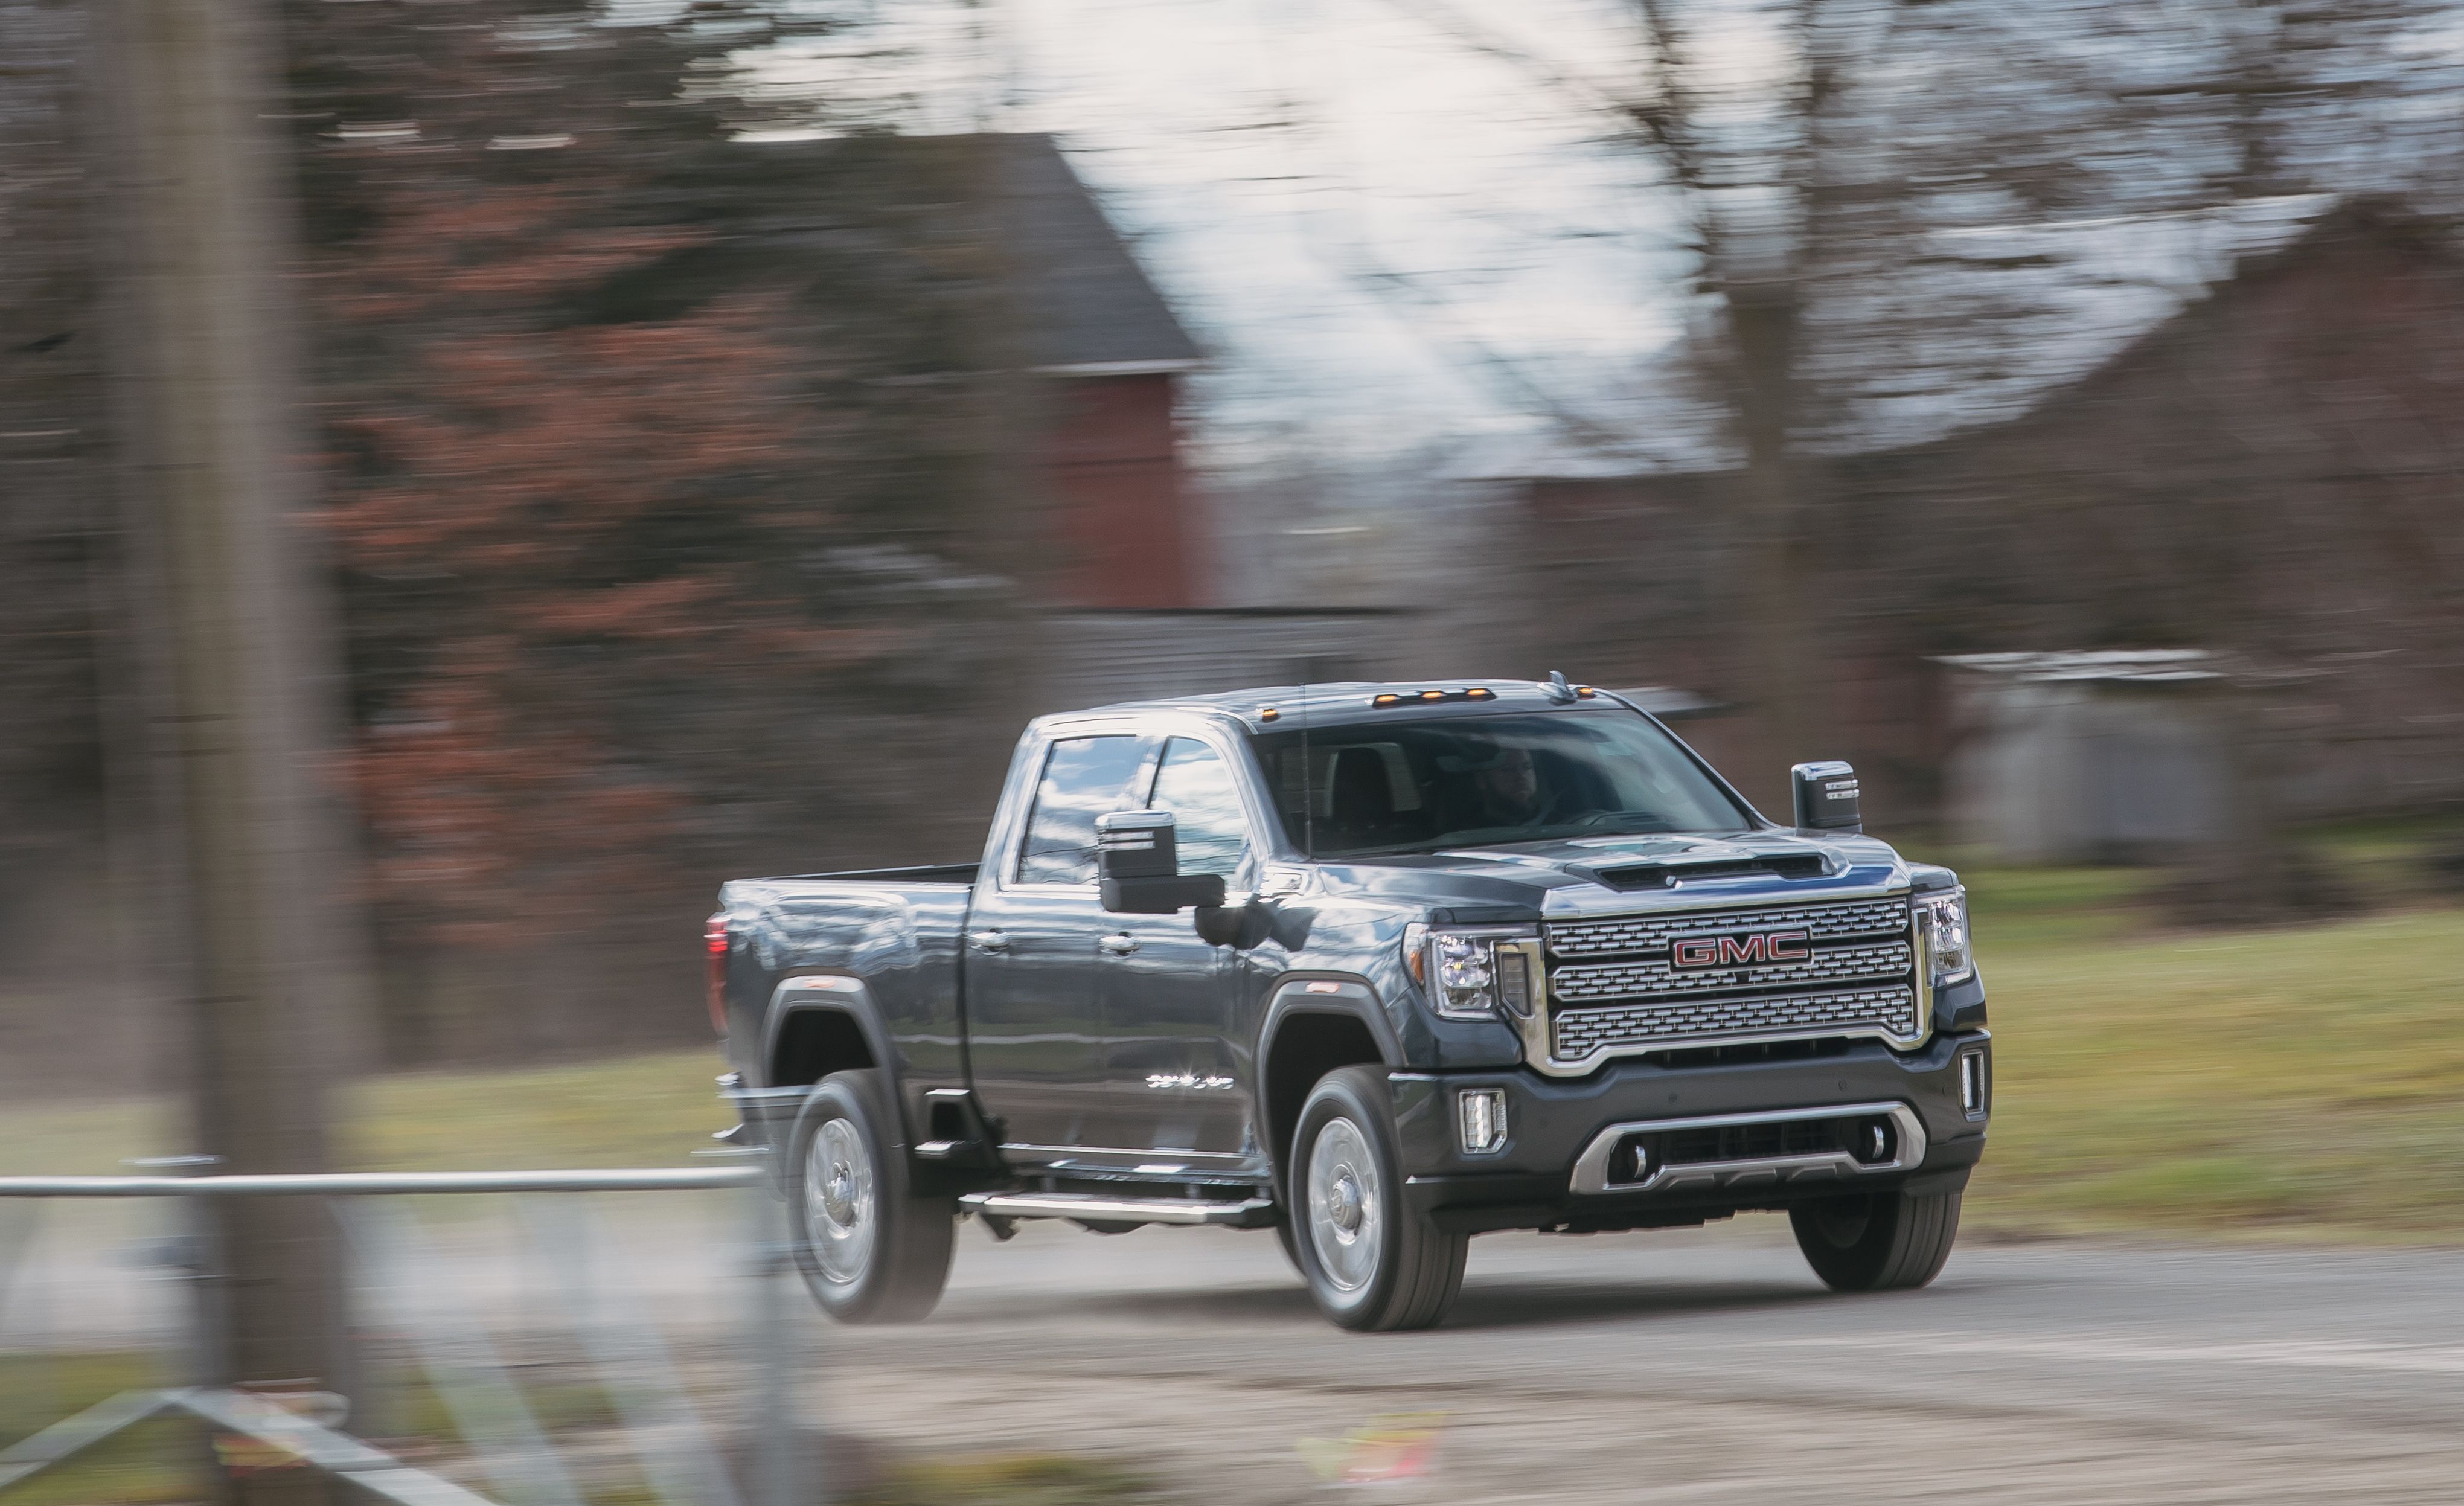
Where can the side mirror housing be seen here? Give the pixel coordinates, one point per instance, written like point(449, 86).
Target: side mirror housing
point(1826, 797)
point(1137, 861)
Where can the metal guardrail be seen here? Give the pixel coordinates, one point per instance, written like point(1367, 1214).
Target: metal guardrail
point(509, 1447)
point(382, 1183)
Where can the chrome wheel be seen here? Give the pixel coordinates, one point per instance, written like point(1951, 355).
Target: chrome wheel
point(840, 1218)
point(1347, 1221)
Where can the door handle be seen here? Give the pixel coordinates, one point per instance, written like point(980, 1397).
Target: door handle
point(1119, 945)
point(989, 942)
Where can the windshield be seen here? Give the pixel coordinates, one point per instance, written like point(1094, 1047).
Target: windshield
point(1414, 787)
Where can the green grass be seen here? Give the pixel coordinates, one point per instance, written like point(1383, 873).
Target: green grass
point(1032, 1479)
point(2308, 1078)
point(651, 1109)
point(159, 1460)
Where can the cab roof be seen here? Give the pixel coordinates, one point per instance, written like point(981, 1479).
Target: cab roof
point(1279, 708)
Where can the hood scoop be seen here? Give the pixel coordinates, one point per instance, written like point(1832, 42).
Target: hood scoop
point(1628, 878)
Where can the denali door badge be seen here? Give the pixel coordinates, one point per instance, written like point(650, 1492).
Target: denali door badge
point(1733, 951)
point(1186, 1080)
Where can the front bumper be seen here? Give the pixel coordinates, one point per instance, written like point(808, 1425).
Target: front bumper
point(1549, 1173)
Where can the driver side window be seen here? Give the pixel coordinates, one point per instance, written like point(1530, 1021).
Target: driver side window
point(1210, 826)
point(1084, 778)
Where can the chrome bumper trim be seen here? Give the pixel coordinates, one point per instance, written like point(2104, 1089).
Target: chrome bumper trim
point(1592, 1166)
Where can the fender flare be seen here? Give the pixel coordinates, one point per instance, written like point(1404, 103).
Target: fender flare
point(1340, 994)
point(1328, 994)
point(833, 993)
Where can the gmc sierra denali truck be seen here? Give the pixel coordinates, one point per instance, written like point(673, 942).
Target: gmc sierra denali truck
point(1380, 967)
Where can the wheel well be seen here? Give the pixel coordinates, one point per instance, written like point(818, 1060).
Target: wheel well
point(814, 1043)
point(1306, 1047)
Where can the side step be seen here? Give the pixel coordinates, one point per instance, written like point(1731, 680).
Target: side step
point(1246, 1212)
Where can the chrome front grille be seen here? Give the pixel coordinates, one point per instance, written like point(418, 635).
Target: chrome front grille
point(1578, 1033)
point(1656, 932)
point(1651, 979)
point(1651, 983)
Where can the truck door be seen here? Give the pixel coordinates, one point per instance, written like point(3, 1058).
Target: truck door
point(1035, 1033)
point(1180, 1083)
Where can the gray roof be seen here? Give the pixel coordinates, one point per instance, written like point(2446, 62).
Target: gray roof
point(1330, 705)
point(1093, 311)
point(1087, 305)
point(2112, 666)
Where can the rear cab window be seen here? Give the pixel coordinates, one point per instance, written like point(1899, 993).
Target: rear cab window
point(1211, 829)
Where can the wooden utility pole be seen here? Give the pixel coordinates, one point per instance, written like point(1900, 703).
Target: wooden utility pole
point(235, 622)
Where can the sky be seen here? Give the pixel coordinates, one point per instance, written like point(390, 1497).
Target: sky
point(1401, 227)
point(1378, 234)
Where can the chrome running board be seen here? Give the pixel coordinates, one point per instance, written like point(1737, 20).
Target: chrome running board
point(1105, 1208)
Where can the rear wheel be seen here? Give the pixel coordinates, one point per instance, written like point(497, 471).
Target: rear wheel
point(870, 1249)
point(1877, 1242)
point(1371, 1262)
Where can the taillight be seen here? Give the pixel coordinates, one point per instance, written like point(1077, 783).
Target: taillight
point(714, 941)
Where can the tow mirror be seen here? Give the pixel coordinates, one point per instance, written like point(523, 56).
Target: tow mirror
point(1138, 861)
point(1826, 797)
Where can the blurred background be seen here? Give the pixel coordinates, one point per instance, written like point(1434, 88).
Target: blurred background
point(721, 425)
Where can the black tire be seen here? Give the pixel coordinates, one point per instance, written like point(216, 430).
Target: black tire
point(1386, 1268)
point(872, 1250)
point(1877, 1242)
point(1286, 1235)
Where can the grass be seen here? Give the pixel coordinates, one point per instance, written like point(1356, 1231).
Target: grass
point(649, 1109)
point(1031, 1479)
point(2305, 1080)
point(2297, 1079)
point(158, 1460)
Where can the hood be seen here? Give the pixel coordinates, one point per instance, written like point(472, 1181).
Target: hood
point(1622, 875)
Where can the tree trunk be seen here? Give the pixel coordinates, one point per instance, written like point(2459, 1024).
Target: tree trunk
point(1767, 546)
point(203, 398)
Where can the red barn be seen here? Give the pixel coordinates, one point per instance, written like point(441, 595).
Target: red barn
point(1104, 336)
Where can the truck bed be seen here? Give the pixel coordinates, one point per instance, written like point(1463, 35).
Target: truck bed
point(896, 929)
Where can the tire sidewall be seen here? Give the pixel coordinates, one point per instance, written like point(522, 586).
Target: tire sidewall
point(1903, 1245)
point(1343, 1095)
point(848, 1095)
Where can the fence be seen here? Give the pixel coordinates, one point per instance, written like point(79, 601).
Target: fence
point(676, 1448)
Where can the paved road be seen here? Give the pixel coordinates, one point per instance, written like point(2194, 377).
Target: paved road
point(1705, 1366)
point(1693, 1365)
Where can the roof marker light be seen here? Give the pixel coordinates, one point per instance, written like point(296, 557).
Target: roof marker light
point(1388, 698)
point(1268, 715)
point(1433, 694)
point(1480, 693)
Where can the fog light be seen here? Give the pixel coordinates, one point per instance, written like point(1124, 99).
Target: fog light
point(1480, 1114)
point(1874, 1143)
point(1971, 1084)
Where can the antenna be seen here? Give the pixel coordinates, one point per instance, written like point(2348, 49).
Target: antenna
point(1308, 796)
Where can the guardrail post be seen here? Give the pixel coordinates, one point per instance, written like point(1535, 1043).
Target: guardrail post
point(196, 1231)
point(777, 1451)
point(776, 1424)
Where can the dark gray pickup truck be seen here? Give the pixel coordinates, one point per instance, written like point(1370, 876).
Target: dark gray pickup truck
point(1380, 967)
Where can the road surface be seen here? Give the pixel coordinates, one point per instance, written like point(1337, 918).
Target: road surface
point(1694, 1365)
point(1701, 1365)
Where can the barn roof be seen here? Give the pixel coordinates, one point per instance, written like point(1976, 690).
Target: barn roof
point(1087, 306)
point(1093, 310)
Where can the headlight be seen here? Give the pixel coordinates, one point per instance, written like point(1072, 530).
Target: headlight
point(1471, 975)
point(1944, 917)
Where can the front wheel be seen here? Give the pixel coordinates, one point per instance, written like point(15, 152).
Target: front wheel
point(870, 1249)
point(1372, 1262)
point(1877, 1242)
